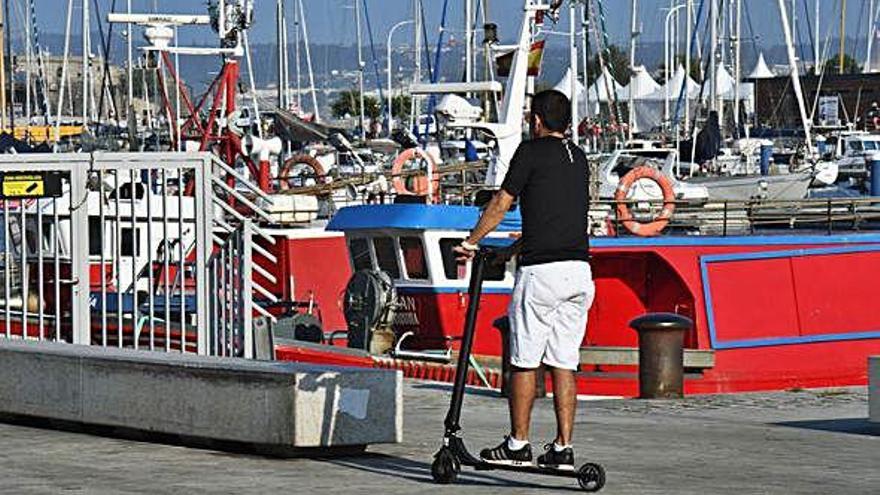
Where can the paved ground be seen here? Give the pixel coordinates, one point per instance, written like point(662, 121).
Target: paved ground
point(786, 443)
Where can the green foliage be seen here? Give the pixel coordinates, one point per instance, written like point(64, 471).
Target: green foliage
point(401, 105)
point(348, 104)
point(850, 65)
point(617, 61)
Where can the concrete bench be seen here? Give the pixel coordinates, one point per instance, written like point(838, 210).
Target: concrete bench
point(609, 355)
point(874, 389)
point(272, 404)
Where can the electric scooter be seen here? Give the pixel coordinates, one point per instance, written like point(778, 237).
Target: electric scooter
point(453, 454)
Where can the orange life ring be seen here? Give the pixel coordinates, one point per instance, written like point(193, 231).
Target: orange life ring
point(419, 183)
point(623, 212)
point(305, 159)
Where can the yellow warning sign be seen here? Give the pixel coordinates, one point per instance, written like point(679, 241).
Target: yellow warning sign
point(23, 186)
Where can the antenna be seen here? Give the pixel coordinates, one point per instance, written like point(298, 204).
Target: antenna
point(229, 18)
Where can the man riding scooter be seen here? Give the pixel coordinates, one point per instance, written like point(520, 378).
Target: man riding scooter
point(554, 288)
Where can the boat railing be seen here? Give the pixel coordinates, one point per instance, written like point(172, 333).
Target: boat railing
point(724, 218)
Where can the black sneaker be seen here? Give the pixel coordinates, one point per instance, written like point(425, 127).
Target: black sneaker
point(502, 454)
point(551, 459)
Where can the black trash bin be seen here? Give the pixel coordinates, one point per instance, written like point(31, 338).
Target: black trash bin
point(661, 354)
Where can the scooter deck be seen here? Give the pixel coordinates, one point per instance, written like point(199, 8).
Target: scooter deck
point(528, 469)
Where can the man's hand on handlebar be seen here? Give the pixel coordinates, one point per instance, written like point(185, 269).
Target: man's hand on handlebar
point(465, 251)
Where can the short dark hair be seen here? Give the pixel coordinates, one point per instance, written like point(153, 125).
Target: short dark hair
point(554, 108)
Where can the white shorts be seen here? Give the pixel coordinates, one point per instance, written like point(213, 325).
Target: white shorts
point(548, 314)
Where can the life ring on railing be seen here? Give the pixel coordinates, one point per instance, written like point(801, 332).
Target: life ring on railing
point(418, 185)
point(624, 214)
point(308, 160)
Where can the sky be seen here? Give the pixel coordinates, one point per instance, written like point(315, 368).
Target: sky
point(332, 21)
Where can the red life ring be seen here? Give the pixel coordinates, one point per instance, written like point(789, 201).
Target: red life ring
point(419, 183)
point(623, 212)
point(304, 159)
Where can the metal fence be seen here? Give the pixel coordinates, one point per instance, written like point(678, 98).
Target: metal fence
point(129, 250)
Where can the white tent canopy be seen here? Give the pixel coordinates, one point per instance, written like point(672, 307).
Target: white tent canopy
point(564, 85)
point(724, 82)
point(761, 70)
point(672, 88)
point(602, 85)
point(640, 85)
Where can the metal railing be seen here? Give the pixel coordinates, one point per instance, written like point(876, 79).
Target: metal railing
point(125, 251)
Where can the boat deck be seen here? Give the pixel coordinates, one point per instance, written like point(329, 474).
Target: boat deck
point(768, 443)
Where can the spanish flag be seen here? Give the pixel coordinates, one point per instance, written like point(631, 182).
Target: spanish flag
point(505, 61)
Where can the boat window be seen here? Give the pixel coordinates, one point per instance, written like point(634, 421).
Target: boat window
point(414, 258)
point(872, 145)
point(129, 241)
point(457, 271)
point(386, 256)
point(96, 236)
point(360, 254)
point(855, 145)
point(452, 268)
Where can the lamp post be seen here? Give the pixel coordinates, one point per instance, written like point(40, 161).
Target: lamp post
point(669, 57)
point(388, 60)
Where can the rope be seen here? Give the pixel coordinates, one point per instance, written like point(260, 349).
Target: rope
point(435, 75)
point(373, 52)
point(105, 50)
point(42, 92)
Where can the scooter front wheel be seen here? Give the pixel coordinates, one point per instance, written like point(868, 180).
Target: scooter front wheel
point(591, 477)
point(445, 467)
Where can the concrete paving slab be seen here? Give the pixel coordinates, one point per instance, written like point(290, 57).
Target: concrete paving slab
point(800, 442)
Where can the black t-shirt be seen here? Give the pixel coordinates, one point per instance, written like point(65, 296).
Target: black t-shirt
point(551, 178)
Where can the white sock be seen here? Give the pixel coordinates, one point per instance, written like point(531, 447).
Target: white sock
point(514, 444)
point(560, 448)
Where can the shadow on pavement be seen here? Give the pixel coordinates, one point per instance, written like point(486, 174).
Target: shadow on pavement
point(855, 426)
point(447, 387)
point(420, 472)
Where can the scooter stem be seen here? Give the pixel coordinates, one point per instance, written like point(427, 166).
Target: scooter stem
point(475, 290)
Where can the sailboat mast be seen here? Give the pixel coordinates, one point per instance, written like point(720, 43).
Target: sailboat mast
point(795, 77)
point(85, 61)
point(687, 62)
point(468, 41)
point(360, 61)
point(870, 46)
point(2, 73)
point(28, 60)
point(130, 56)
point(415, 108)
point(842, 47)
point(817, 63)
point(279, 36)
point(737, 70)
point(8, 41)
point(573, 56)
point(634, 26)
point(713, 59)
point(308, 53)
point(297, 51)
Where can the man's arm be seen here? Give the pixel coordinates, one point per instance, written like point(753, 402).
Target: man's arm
point(489, 220)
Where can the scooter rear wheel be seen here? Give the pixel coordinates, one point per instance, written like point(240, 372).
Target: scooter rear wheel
point(445, 467)
point(591, 477)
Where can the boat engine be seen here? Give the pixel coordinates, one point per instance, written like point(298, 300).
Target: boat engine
point(369, 310)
